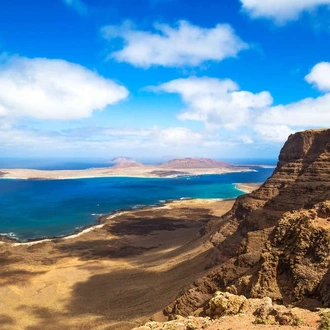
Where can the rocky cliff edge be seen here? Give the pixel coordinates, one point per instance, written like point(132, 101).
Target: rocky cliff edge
point(275, 242)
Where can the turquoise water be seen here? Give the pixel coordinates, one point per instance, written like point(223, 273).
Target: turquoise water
point(31, 209)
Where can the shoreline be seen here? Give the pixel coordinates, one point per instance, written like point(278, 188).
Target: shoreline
point(104, 217)
point(247, 188)
point(6, 238)
point(101, 279)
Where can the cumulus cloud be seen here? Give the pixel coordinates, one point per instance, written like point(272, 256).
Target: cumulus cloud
point(217, 103)
point(220, 104)
point(273, 133)
point(320, 76)
point(309, 112)
point(182, 45)
point(54, 89)
point(77, 5)
point(280, 11)
point(306, 113)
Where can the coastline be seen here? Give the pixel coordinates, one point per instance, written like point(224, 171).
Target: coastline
point(101, 278)
point(247, 188)
point(102, 220)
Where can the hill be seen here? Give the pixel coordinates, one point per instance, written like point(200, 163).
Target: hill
point(125, 162)
point(184, 163)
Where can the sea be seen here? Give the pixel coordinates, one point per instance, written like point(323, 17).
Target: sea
point(37, 209)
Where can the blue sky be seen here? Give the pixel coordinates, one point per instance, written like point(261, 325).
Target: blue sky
point(155, 78)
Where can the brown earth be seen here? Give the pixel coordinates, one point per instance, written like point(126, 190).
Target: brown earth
point(112, 277)
point(275, 242)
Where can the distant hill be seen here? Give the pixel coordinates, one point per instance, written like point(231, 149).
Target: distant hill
point(182, 163)
point(121, 162)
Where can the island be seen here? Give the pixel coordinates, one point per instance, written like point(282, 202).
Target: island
point(128, 167)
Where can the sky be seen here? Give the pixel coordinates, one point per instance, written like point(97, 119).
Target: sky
point(98, 79)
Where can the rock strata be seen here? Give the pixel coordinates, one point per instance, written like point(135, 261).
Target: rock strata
point(275, 242)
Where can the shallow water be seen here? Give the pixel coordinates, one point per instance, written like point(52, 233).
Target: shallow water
point(32, 209)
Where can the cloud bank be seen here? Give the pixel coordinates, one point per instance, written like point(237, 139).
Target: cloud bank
point(217, 103)
point(220, 104)
point(53, 89)
point(182, 45)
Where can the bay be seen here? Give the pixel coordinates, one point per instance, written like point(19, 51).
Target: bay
point(33, 209)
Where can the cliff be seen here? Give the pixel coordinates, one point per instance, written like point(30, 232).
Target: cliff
point(275, 242)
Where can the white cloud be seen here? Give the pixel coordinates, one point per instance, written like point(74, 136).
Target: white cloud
point(220, 104)
point(176, 136)
point(320, 76)
point(246, 139)
point(273, 133)
point(54, 89)
point(280, 10)
point(97, 140)
point(217, 103)
point(3, 110)
point(310, 112)
point(77, 5)
point(182, 45)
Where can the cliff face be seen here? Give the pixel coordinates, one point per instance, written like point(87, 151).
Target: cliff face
point(275, 241)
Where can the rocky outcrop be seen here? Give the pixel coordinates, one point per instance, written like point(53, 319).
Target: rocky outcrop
point(275, 241)
point(223, 305)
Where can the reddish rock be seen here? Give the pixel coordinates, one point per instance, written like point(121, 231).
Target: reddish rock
point(275, 241)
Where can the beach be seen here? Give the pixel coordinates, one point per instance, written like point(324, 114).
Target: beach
point(248, 187)
point(111, 276)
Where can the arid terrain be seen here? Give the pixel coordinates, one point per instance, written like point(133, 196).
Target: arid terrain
point(273, 247)
point(113, 277)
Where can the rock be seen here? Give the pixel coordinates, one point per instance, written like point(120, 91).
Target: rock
point(275, 242)
point(224, 303)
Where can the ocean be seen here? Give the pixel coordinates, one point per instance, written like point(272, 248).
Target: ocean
point(34, 209)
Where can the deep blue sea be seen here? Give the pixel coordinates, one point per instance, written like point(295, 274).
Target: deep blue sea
point(31, 209)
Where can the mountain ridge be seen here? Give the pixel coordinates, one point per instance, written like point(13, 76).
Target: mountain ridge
point(267, 245)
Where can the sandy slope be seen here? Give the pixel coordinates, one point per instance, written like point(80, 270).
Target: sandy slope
point(247, 187)
point(112, 277)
